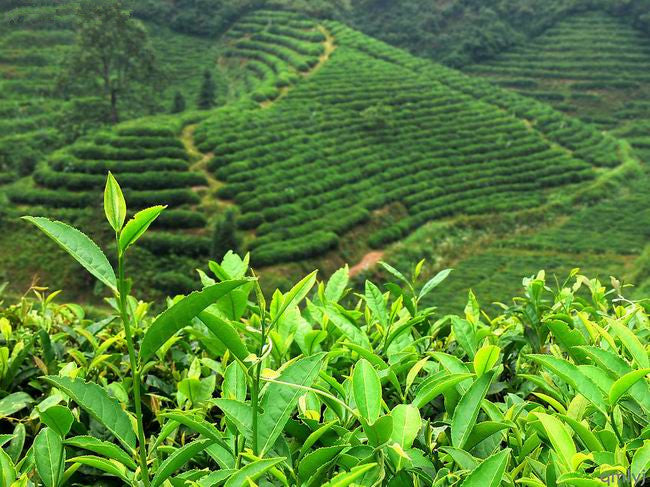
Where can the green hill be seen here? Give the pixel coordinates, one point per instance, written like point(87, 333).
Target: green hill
point(36, 117)
point(337, 145)
point(593, 65)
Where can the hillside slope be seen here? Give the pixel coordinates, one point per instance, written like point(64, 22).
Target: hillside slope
point(592, 65)
point(338, 143)
point(36, 117)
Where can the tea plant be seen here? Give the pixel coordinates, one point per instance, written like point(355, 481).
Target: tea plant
point(320, 385)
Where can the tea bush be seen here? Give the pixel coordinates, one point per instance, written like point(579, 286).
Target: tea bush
point(319, 385)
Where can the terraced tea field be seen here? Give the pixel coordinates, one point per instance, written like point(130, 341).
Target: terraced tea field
point(35, 117)
point(338, 144)
point(376, 127)
point(591, 65)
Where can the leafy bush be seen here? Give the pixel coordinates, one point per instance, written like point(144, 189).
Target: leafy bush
point(319, 385)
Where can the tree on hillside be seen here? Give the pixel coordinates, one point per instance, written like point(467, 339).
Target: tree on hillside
point(224, 237)
point(179, 103)
point(207, 93)
point(112, 55)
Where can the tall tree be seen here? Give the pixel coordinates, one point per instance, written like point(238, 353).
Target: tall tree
point(112, 54)
point(207, 93)
point(179, 103)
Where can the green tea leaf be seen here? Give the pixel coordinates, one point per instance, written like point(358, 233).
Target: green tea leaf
point(295, 295)
point(7, 469)
point(79, 246)
point(110, 467)
point(490, 472)
point(96, 402)
point(281, 398)
point(631, 343)
point(622, 385)
point(114, 204)
point(309, 465)
point(559, 436)
point(641, 460)
point(467, 410)
point(57, 417)
point(252, 471)
point(137, 225)
point(574, 377)
point(50, 457)
point(376, 304)
point(109, 450)
point(347, 328)
point(367, 390)
point(344, 479)
point(337, 284)
point(225, 333)
point(406, 424)
point(180, 315)
point(434, 282)
point(178, 459)
point(14, 403)
point(485, 359)
point(429, 390)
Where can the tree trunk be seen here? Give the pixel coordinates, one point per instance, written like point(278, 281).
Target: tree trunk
point(114, 115)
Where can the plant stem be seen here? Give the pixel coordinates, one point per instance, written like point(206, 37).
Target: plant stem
point(255, 392)
point(135, 371)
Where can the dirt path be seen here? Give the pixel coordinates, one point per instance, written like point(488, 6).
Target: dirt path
point(371, 259)
point(200, 164)
point(329, 46)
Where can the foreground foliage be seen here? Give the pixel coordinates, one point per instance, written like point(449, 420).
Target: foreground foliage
point(320, 385)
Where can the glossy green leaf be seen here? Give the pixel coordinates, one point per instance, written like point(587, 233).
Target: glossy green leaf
point(429, 390)
point(57, 417)
point(485, 359)
point(380, 431)
point(580, 480)
point(136, 226)
point(234, 382)
point(490, 472)
point(587, 437)
point(7, 470)
point(337, 284)
point(344, 479)
point(49, 456)
point(574, 377)
point(461, 457)
point(108, 466)
point(281, 397)
point(641, 460)
point(467, 410)
point(224, 333)
point(96, 402)
point(366, 387)
point(631, 343)
point(622, 385)
point(310, 464)
point(252, 471)
point(406, 424)
point(295, 295)
point(484, 430)
point(17, 443)
point(13, 403)
point(180, 315)
point(199, 425)
point(375, 301)
point(434, 282)
point(559, 436)
point(104, 448)
point(114, 204)
point(348, 329)
point(178, 459)
point(79, 246)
